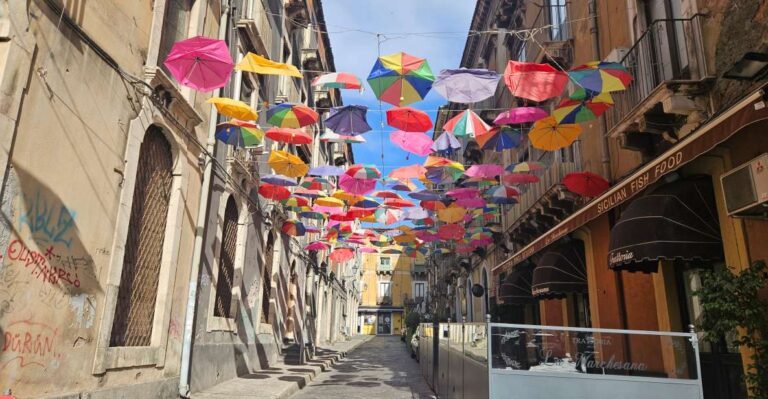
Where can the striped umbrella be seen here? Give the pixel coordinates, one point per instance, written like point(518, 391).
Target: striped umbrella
point(291, 115)
point(466, 123)
point(400, 79)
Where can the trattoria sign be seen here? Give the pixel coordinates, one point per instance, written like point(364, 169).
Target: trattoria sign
point(699, 142)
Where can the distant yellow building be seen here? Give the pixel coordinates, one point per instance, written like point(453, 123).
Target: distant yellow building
point(391, 283)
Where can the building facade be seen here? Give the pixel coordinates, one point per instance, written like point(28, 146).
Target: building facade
point(690, 117)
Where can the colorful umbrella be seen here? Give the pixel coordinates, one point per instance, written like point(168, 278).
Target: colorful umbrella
point(287, 164)
point(399, 184)
point(279, 180)
point(326, 170)
point(367, 203)
point(466, 85)
point(309, 193)
point(471, 202)
point(586, 184)
point(316, 246)
point(258, 64)
point(601, 77)
point(336, 80)
point(444, 174)
point(291, 115)
point(315, 183)
point(330, 137)
point(451, 232)
point(500, 138)
point(201, 63)
point(520, 115)
point(481, 170)
point(415, 143)
point(408, 119)
point(388, 216)
point(233, 108)
point(363, 172)
point(386, 194)
point(446, 144)
point(356, 186)
point(313, 215)
point(408, 172)
point(295, 202)
point(239, 133)
point(348, 120)
point(578, 111)
point(547, 134)
point(463, 192)
point(273, 192)
point(290, 136)
point(520, 178)
point(504, 195)
point(466, 123)
point(423, 195)
point(400, 79)
point(349, 198)
point(293, 227)
point(526, 167)
point(533, 81)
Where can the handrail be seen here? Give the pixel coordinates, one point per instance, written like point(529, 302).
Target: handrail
point(650, 27)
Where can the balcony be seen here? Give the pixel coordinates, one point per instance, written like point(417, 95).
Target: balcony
point(384, 301)
point(384, 269)
point(419, 270)
point(256, 30)
point(667, 98)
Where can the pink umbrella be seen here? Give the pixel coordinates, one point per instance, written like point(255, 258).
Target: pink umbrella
point(316, 246)
point(484, 171)
point(464, 249)
point(408, 172)
point(533, 81)
point(427, 237)
point(481, 242)
point(330, 210)
point(342, 254)
point(520, 115)
point(520, 178)
point(367, 250)
point(356, 186)
point(464, 192)
point(471, 202)
point(201, 63)
point(416, 143)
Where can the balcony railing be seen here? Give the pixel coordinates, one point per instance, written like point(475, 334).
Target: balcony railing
point(384, 268)
point(384, 300)
point(419, 269)
point(669, 50)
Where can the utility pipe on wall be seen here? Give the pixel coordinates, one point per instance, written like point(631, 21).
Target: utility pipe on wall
point(604, 148)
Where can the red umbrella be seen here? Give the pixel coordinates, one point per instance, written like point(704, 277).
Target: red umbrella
point(533, 81)
point(273, 192)
point(386, 194)
point(342, 217)
point(288, 135)
point(408, 119)
point(397, 203)
point(520, 178)
point(432, 205)
point(450, 232)
point(359, 213)
point(342, 254)
point(586, 184)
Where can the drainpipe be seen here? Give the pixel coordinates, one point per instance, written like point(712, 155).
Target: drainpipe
point(197, 252)
point(604, 148)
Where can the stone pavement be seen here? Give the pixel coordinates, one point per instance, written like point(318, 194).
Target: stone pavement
point(379, 368)
point(282, 380)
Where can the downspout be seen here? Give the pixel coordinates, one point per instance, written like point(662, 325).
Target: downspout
point(202, 214)
point(604, 148)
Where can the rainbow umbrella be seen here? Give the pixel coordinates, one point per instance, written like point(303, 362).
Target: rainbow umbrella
point(601, 77)
point(363, 172)
point(467, 123)
point(313, 215)
point(291, 115)
point(415, 143)
point(400, 79)
point(293, 227)
point(201, 63)
point(336, 80)
point(577, 111)
point(315, 183)
point(239, 133)
point(295, 202)
point(500, 138)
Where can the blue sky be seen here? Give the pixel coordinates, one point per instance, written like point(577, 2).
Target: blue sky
point(404, 24)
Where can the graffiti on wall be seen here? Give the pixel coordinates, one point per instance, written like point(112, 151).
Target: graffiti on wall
point(48, 222)
point(29, 343)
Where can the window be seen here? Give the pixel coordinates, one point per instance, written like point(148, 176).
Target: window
point(137, 294)
point(558, 16)
point(385, 261)
point(175, 26)
point(419, 290)
point(385, 289)
point(225, 276)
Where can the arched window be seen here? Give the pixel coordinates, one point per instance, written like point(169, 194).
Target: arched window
point(225, 278)
point(267, 278)
point(135, 309)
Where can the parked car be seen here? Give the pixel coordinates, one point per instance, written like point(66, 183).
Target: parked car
point(415, 343)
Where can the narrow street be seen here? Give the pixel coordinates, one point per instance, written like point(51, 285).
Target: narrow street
point(379, 368)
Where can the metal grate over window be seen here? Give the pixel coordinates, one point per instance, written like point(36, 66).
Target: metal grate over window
point(137, 294)
point(267, 280)
point(225, 279)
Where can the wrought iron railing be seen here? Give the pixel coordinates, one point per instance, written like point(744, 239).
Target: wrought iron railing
point(384, 300)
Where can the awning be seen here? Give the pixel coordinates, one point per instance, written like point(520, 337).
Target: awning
point(516, 287)
point(560, 271)
point(676, 221)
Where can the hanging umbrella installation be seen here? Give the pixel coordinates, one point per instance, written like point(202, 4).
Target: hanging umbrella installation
point(288, 135)
point(293, 228)
point(500, 138)
point(520, 115)
point(601, 77)
point(400, 79)
point(363, 172)
point(279, 180)
point(357, 186)
point(466, 85)
point(408, 119)
point(408, 172)
point(233, 108)
point(329, 136)
point(586, 184)
point(260, 65)
point(533, 81)
point(291, 115)
point(336, 80)
point(484, 170)
point(446, 144)
point(239, 133)
point(348, 120)
point(273, 192)
point(200, 63)
point(547, 134)
point(415, 143)
point(326, 170)
point(287, 164)
point(467, 123)
point(578, 111)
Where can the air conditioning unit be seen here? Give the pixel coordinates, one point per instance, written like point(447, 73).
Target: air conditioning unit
point(746, 189)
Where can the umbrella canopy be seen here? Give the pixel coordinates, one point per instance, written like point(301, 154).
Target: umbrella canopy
point(309, 193)
point(239, 133)
point(397, 203)
point(471, 202)
point(201, 63)
point(326, 170)
point(386, 194)
point(348, 120)
point(500, 138)
point(329, 202)
point(520, 178)
point(342, 254)
point(291, 115)
point(356, 186)
point(258, 64)
point(444, 174)
point(520, 115)
point(329, 136)
point(349, 198)
point(526, 167)
point(293, 227)
point(463, 192)
point(432, 205)
point(467, 123)
point(400, 79)
point(446, 144)
point(315, 183)
point(399, 184)
point(287, 164)
point(451, 232)
point(466, 85)
point(586, 184)
point(273, 192)
point(533, 81)
point(415, 143)
point(288, 135)
point(279, 180)
point(427, 195)
point(408, 172)
point(504, 195)
point(295, 202)
point(313, 215)
point(487, 170)
point(336, 80)
point(316, 246)
point(388, 216)
point(408, 119)
point(601, 77)
point(233, 108)
point(367, 203)
point(577, 111)
point(547, 134)
point(363, 172)
point(451, 214)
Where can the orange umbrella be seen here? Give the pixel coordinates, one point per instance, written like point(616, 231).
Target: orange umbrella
point(408, 172)
point(547, 134)
point(451, 214)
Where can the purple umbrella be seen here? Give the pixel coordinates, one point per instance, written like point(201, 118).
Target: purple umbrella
point(466, 85)
point(348, 120)
point(425, 195)
point(326, 170)
point(279, 180)
point(520, 115)
point(446, 144)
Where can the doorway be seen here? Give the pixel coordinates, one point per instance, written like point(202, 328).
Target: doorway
point(384, 324)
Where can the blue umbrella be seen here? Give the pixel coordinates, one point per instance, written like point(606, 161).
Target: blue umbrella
point(500, 139)
point(425, 195)
point(446, 144)
point(326, 170)
point(366, 203)
point(348, 120)
point(279, 180)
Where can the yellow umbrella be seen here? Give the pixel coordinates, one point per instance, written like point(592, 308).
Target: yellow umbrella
point(405, 239)
point(349, 198)
point(370, 218)
point(547, 134)
point(452, 214)
point(234, 108)
point(329, 201)
point(287, 164)
point(258, 64)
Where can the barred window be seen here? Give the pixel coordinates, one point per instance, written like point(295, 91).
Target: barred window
point(135, 310)
point(225, 278)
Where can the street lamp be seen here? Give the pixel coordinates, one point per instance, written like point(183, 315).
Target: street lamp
point(751, 66)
